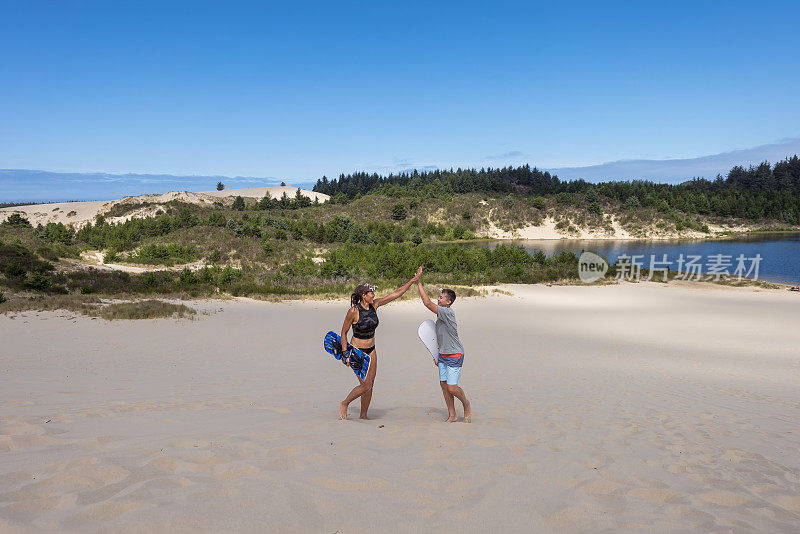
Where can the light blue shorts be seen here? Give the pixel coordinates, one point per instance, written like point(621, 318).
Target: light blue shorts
point(449, 374)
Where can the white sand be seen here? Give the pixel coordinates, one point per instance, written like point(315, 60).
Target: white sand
point(597, 409)
point(79, 213)
point(547, 230)
point(259, 192)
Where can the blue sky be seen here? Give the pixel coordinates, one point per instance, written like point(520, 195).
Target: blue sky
point(298, 90)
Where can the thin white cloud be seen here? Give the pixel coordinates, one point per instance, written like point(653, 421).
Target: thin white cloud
point(507, 155)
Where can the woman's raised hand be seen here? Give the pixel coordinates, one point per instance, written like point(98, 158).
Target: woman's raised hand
point(418, 275)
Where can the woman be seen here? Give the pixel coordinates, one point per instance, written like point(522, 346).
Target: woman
point(363, 317)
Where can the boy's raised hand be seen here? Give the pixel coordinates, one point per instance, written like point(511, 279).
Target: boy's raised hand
point(418, 275)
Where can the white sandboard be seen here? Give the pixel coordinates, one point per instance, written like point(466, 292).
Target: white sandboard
point(427, 333)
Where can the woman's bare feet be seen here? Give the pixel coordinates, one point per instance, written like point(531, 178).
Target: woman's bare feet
point(342, 411)
point(468, 412)
point(452, 419)
point(363, 416)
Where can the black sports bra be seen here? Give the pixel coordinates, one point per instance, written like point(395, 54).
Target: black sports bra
point(367, 322)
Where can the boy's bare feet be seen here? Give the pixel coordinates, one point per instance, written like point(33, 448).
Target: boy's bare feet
point(342, 411)
point(363, 416)
point(468, 412)
point(452, 419)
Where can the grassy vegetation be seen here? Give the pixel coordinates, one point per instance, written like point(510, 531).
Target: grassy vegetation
point(285, 248)
point(124, 208)
point(145, 309)
point(163, 254)
point(93, 306)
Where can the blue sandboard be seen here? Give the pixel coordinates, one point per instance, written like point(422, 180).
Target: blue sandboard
point(359, 361)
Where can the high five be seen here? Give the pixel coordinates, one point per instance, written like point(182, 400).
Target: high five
point(363, 318)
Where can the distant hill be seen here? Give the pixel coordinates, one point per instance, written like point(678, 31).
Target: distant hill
point(23, 185)
point(675, 171)
point(79, 213)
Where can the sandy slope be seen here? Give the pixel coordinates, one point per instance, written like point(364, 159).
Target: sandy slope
point(548, 230)
point(259, 192)
point(597, 409)
point(79, 213)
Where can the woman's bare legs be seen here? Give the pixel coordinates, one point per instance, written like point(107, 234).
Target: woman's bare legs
point(450, 402)
point(366, 398)
point(458, 393)
point(364, 387)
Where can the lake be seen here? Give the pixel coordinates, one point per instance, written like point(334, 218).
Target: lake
point(780, 252)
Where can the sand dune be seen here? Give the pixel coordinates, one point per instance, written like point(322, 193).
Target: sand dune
point(259, 192)
point(620, 408)
point(79, 213)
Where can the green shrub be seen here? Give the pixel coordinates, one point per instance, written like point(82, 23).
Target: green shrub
point(340, 198)
point(2, 297)
point(466, 215)
point(216, 219)
point(399, 212)
point(228, 275)
point(47, 253)
point(38, 281)
point(111, 256)
point(632, 202)
point(15, 220)
point(161, 254)
point(238, 204)
point(188, 277)
point(55, 233)
point(539, 203)
point(595, 209)
point(14, 270)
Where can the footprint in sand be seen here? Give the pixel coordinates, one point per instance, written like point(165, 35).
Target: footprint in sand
point(600, 487)
point(236, 473)
point(173, 466)
point(515, 468)
point(789, 502)
point(64, 483)
point(572, 518)
point(764, 488)
point(655, 494)
point(17, 477)
point(104, 512)
point(732, 456)
point(34, 506)
point(20, 428)
point(352, 483)
point(724, 498)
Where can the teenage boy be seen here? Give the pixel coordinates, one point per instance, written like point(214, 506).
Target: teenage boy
point(451, 352)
